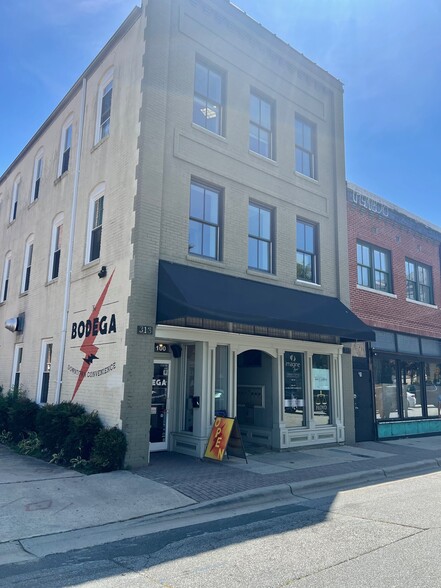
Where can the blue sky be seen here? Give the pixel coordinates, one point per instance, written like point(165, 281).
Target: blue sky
point(387, 53)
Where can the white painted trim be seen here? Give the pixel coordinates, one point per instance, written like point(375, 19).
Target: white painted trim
point(421, 303)
point(105, 80)
point(95, 195)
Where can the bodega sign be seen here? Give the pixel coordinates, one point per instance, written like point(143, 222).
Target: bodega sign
point(97, 326)
point(88, 331)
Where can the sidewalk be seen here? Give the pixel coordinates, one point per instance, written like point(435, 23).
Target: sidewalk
point(43, 505)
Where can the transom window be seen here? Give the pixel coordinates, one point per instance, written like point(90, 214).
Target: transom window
point(306, 236)
point(204, 227)
point(208, 98)
point(260, 239)
point(261, 125)
point(306, 151)
point(373, 267)
point(419, 282)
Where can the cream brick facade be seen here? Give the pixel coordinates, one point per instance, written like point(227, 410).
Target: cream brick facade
point(144, 168)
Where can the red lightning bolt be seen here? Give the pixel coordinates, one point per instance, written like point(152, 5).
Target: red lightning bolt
point(88, 347)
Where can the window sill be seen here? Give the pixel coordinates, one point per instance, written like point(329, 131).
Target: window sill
point(32, 203)
point(261, 274)
point(366, 289)
point(208, 132)
point(263, 157)
point(58, 180)
point(99, 143)
point(308, 178)
point(309, 284)
point(23, 294)
point(11, 222)
point(91, 264)
point(53, 281)
point(205, 260)
point(434, 306)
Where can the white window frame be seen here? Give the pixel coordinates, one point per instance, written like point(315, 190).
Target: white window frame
point(27, 265)
point(56, 226)
point(18, 354)
point(6, 277)
point(63, 148)
point(43, 368)
point(38, 172)
point(98, 193)
point(107, 79)
point(14, 202)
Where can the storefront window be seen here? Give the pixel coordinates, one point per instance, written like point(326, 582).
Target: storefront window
point(221, 381)
point(294, 389)
point(432, 372)
point(321, 383)
point(411, 389)
point(190, 356)
point(386, 395)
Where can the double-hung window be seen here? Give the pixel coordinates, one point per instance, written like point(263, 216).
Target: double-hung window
point(208, 98)
point(65, 147)
point(204, 227)
point(261, 126)
point(16, 367)
point(306, 150)
point(38, 170)
point(104, 107)
point(306, 238)
point(373, 267)
point(57, 233)
point(5, 280)
point(27, 264)
point(95, 224)
point(14, 203)
point(260, 237)
point(45, 371)
point(419, 284)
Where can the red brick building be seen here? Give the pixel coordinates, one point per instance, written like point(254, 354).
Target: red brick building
point(395, 287)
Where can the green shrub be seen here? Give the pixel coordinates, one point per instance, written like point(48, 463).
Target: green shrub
point(30, 446)
point(53, 424)
point(82, 432)
point(22, 414)
point(109, 450)
point(3, 412)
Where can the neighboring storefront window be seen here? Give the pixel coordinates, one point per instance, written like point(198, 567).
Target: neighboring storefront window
point(294, 389)
point(190, 357)
point(321, 384)
point(411, 393)
point(221, 381)
point(386, 395)
point(432, 372)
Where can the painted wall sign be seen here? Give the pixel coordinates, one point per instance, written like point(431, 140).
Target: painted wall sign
point(90, 329)
point(370, 204)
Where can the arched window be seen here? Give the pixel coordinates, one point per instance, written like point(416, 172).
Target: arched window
point(15, 195)
point(104, 105)
point(95, 223)
point(38, 171)
point(27, 264)
point(65, 146)
point(6, 275)
point(55, 252)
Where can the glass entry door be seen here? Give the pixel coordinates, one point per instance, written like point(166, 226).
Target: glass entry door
point(158, 416)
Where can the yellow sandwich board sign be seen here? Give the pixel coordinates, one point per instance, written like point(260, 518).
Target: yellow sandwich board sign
point(225, 436)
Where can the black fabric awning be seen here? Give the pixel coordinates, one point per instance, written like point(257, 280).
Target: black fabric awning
point(185, 291)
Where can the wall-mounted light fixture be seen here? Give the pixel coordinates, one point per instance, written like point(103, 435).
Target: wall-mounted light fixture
point(103, 272)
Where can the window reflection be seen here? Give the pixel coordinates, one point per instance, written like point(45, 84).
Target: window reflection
point(386, 396)
point(321, 379)
point(432, 373)
point(411, 389)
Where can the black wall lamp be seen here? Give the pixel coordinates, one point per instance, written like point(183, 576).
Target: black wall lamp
point(103, 272)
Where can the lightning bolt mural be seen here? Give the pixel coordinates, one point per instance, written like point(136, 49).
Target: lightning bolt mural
point(88, 348)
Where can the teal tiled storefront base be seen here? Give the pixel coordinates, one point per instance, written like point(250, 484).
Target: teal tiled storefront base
point(407, 428)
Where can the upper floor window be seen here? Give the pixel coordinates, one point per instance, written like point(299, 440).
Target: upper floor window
point(260, 237)
point(306, 237)
point(65, 147)
point(373, 267)
point(419, 282)
point(104, 107)
point(27, 264)
point(208, 98)
point(306, 150)
point(15, 195)
point(38, 170)
point(5, 279)
point(95, 223)
point(57, 233)
point(204, 227)
point(261, 126)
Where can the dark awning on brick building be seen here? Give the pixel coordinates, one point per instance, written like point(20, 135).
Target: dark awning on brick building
point(185, 291)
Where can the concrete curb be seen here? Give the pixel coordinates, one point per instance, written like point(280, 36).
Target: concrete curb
point(40, 546)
